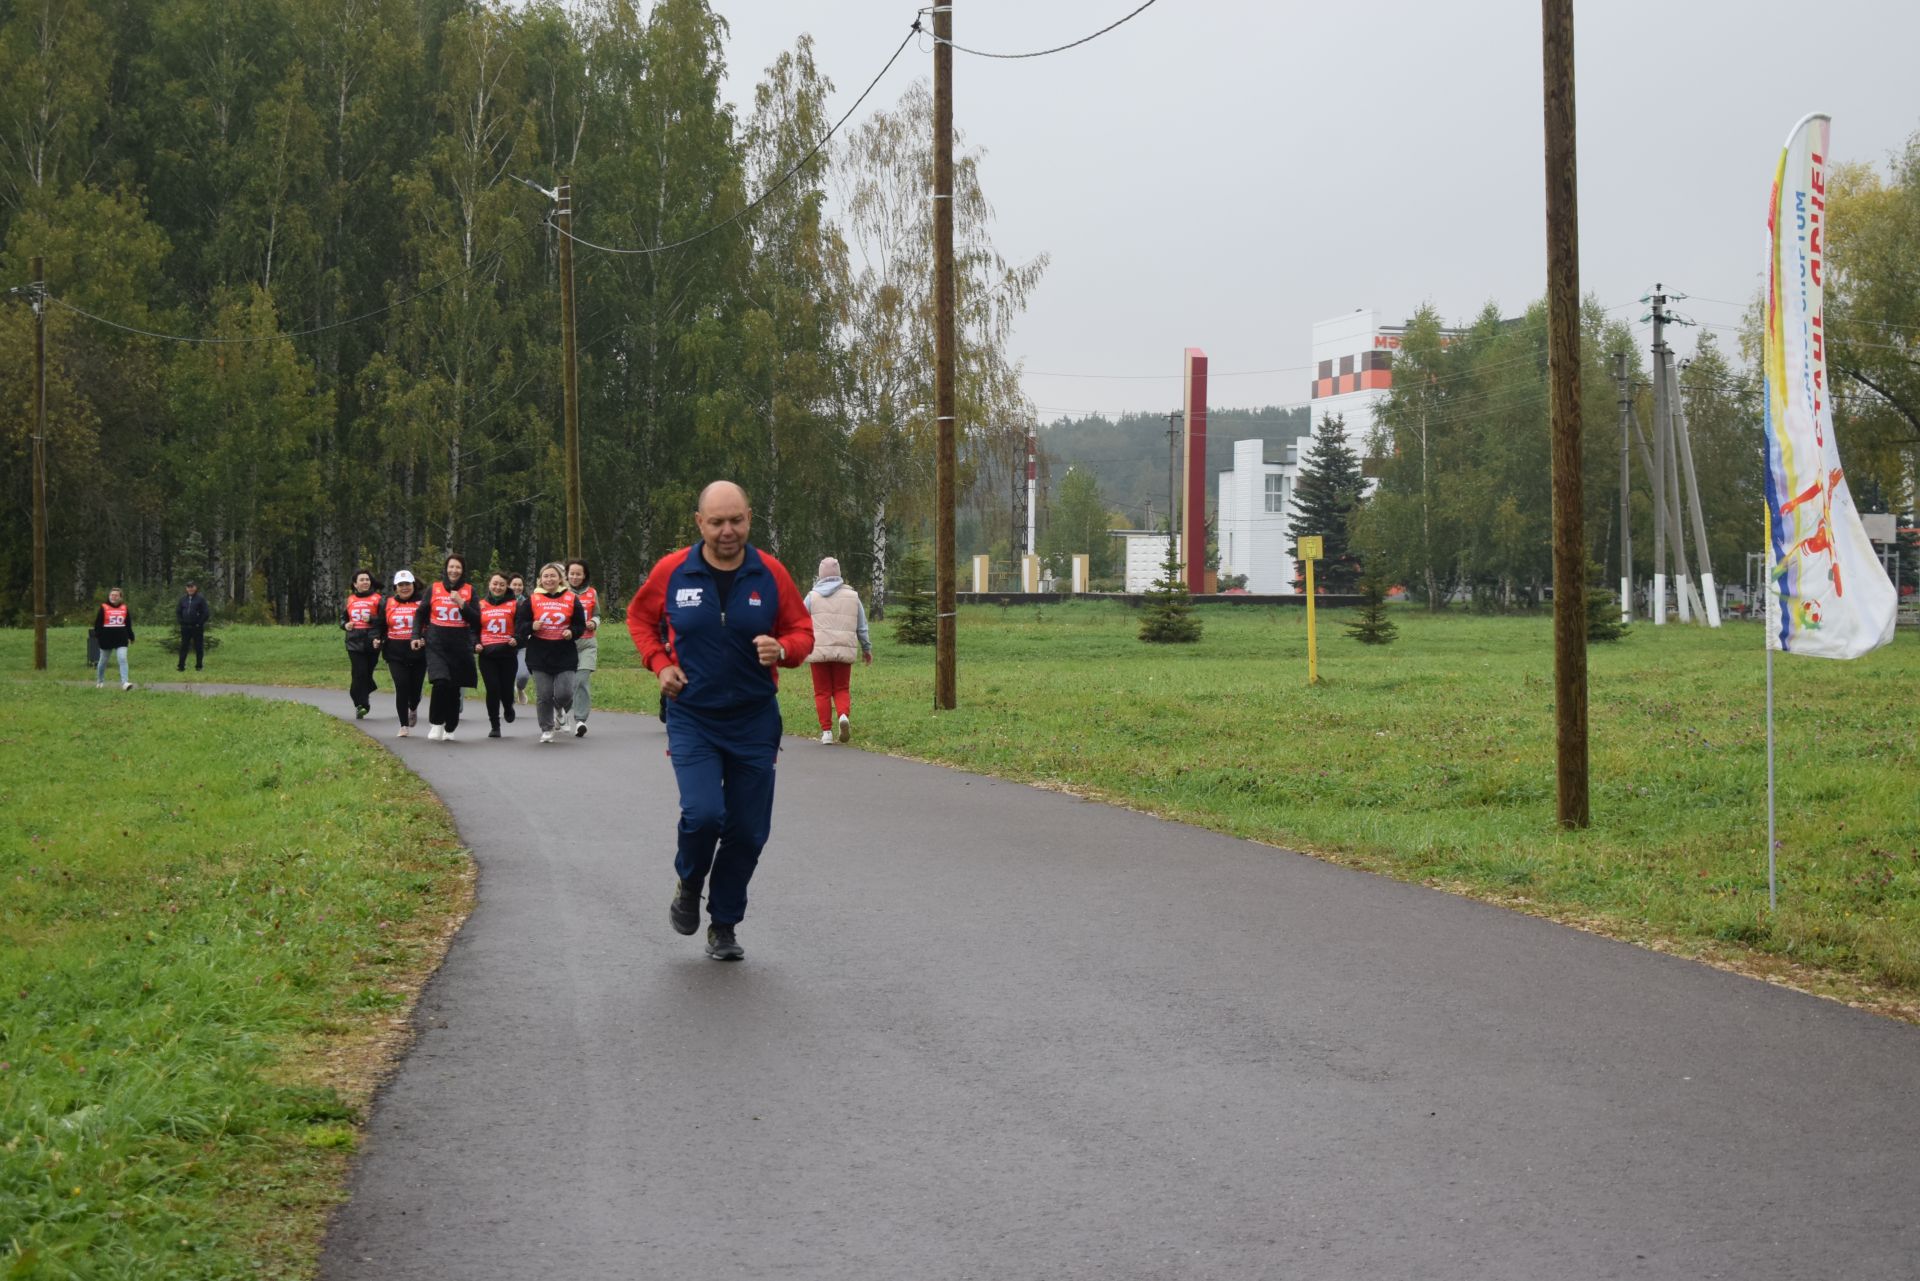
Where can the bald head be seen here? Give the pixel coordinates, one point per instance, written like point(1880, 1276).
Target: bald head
point(722, 491)
point(724, 520)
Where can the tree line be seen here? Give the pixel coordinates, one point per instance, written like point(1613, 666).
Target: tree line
point(338, 202)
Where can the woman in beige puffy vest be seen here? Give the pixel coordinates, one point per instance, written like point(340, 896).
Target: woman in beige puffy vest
point(839, 633)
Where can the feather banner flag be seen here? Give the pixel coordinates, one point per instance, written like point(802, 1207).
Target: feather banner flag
point(1828, 595)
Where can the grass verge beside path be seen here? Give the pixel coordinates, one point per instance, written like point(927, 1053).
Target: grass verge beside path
point(214, 915)
point(1430, 760)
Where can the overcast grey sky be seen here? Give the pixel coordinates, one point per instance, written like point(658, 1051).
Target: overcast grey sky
point(1222, 173)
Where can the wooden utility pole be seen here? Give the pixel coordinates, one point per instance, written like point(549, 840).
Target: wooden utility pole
point(1563, 373)
point(570, 389)
point(1625, 395)
point(38, 270)
point(945, 697)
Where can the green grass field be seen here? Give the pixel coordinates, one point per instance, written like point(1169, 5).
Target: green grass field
point(1430, 759)
point(213, 915)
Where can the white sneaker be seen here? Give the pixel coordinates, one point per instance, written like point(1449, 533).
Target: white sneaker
point(404, 732)
point(126, 685)
point(826, 736)
point(846, 729)
point(579, 729)
point(546, 736)
point(99, 684)
point(435, 733)
point(446, 736)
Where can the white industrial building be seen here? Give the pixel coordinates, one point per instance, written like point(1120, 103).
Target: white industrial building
point(1353, 370)
point(1254, 510)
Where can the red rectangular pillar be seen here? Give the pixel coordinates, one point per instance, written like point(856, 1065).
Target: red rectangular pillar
point(1193, 526)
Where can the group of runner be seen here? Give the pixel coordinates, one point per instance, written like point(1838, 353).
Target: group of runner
point(449, 638)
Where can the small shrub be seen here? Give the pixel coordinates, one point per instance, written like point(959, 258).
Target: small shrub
point(915, 601)
point(1371, 626)
point(1167, 616)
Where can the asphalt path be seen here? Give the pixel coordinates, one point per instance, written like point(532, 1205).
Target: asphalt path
point(988, 1031)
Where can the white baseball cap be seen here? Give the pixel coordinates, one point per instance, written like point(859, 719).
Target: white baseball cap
point(403, 576)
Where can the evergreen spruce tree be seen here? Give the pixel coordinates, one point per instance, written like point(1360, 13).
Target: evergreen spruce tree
point(913, 597)
point(1603, 608)
point(1371, 626)
point(1167, 616)
point(1327, 492)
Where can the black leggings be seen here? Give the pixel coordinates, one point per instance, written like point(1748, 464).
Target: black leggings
point(407, 679)
point(499, 664)
point(363, 686)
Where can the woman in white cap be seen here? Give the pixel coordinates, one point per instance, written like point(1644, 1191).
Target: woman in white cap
point(839, 634)
point(400, 633)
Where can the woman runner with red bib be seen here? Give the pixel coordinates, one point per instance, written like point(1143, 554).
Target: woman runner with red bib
point(550, 619)
point(453, 632)
point(499, 650)
point(113, 632)
point(357, 621)
point(588, 645)
point(400, 634)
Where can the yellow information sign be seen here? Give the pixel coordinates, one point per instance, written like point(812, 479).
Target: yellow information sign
point(1310, 551)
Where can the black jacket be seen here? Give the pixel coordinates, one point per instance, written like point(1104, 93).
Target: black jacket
point(547, 655)
point(360, 640)
point(112, 637)
point(193, 610)
point(402, 651)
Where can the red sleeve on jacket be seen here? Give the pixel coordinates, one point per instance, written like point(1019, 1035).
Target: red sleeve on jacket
point(645, 609)
point(793, 625)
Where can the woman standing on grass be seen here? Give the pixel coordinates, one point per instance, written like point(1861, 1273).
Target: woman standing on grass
point(549, 621)
point(589, 645)
point(518, 586)
point(453, 633)
point(401, 636)
point(113, 632)
point(499, 650)
point(357, 620)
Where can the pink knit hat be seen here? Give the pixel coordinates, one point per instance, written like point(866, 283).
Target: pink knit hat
point(829, 567)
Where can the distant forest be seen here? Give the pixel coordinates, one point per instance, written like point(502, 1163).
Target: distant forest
point(1129, 456)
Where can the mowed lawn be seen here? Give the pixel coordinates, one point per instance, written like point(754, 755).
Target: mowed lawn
point(214, 914)
point(1430, 759)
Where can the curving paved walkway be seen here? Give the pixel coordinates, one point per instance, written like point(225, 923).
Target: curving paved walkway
point(989, 1031)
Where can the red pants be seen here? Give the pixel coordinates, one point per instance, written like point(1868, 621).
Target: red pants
point(832, 686)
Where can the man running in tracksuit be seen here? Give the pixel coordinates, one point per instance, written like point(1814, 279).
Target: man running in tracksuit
point(732, 614)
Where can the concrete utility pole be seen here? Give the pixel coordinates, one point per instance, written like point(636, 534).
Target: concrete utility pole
point(1683, 445)
point(1659, 301)
point(1625, 389)
point(945, 695)
point(38, 270)
point(570, 387)
point(1563, 375)
point(1033, 474)
point(1173, 472)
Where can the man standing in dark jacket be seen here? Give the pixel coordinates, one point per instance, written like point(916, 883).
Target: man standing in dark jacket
point(731, 615)
point(193, 613)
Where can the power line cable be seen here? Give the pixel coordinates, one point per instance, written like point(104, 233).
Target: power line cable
point(1041, 53)
point(478, 264)
point(777, 184)
point(1212, 373)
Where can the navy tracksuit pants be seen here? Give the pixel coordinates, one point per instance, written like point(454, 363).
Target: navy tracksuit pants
point(724, 766)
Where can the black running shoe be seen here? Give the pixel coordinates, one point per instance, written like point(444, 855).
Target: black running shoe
point(684, 911)
point(722, 946)
point(494, 732)
point(507, 711)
